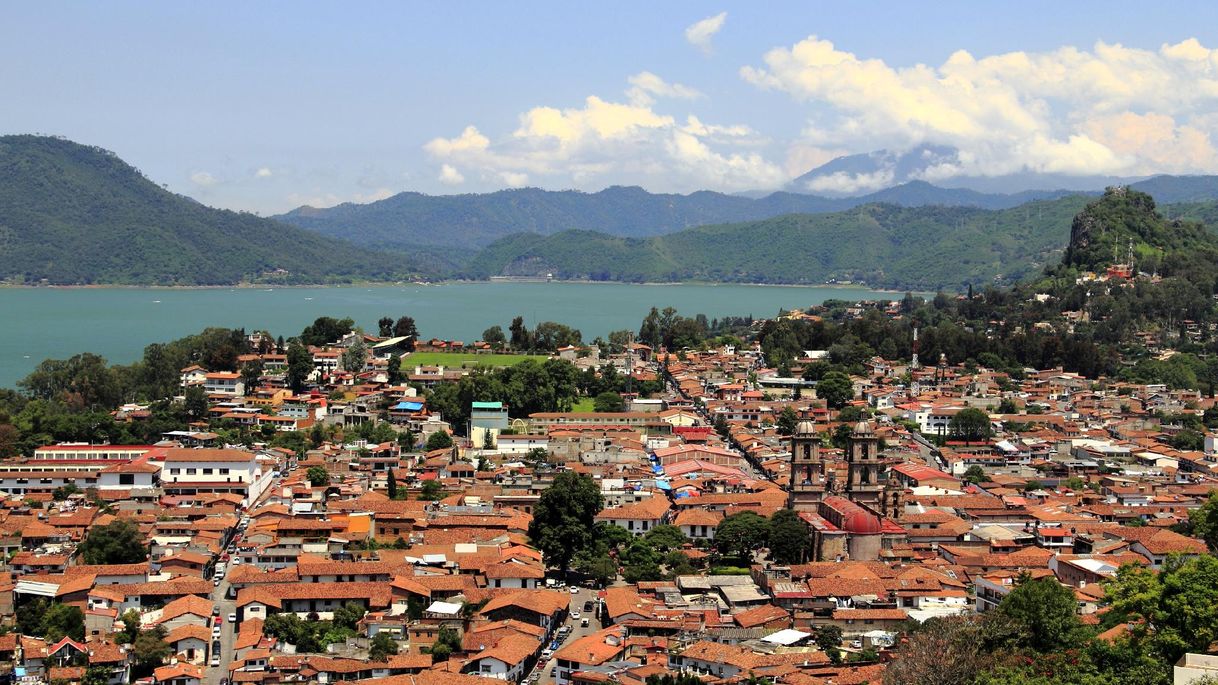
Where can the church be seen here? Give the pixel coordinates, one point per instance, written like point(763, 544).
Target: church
point(848, 518)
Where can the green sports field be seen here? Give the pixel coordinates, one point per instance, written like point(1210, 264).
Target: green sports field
point(465, 359)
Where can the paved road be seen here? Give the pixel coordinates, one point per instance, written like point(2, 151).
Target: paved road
point(577, 604)
point(228, 634)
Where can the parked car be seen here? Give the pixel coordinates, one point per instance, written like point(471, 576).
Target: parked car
point(588, 605)
point(575, 615)
point(574, 590)
point(584, 623)
point(215, 660)
point(232, 618)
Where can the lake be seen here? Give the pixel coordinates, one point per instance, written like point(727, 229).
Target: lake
point(117, 323)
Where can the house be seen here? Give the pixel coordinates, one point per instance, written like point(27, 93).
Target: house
point(194, 471)
point(224, 383)
point(588, 652)
point(510, 658)
point(638, 517)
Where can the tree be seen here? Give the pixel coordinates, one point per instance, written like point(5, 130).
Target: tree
point(836, 389)
point(970, 424)
point(787, 420)
point(63, 620)
point(943, 651)
point(790, 538)
point(300, 366)
point(494, 337)
point(430, 492)
point(640, 562)
point(976, 474)
point(392, 480)
point(828, 637)
point(382, 647)
point(609, 401)
point(384, 326)
point(251, 372)
point(348, 615)
point(1179, 605)
point(118, 542)
point(131, 627)
point(1204, 521)
point(405, 327)
point(63, 492)
point(318, 476)
point(520, 339)
point(195, 403)
point(439, 440)
point(150, 649)
point(325, 330)
point(96, 675)
point(564, 518)
point(740, 534)
point(1045, 611)
point(665, 538)
point(447, 642)
point(355, 356)
point(601, 568)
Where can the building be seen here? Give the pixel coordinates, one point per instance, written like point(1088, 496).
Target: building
point(194, 471)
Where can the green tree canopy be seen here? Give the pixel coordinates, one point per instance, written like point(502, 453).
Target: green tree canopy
point(118, 542)
point(318, 476)
point(835, 389)
point(1046, 612)
point(439, 440)
point(564, 518)
point(971, 425)
point(790, 538)
point(740, 534)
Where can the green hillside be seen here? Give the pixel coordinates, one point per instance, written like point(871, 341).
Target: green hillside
point(73, 214)
point(465, 222)
point(1125, 219)
point(883, 245)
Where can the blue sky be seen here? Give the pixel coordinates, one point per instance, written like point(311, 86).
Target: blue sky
point(266, 106)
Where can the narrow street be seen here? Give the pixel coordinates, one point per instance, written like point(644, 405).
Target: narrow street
point(228, 634)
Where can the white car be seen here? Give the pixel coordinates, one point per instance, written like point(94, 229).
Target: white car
point(232, 618)
point(215, 631)
point(574, 590)
point(215, 660)
point(575, 615)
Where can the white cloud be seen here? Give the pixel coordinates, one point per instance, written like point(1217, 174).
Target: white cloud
point(602, 142)
point(1110, 110)
point(264, 172)
point(700, 33)
point(646, 86)
point(449, 175)
point(203, 178)
point(513, 179)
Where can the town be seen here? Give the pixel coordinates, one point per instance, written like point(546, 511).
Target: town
point(699, 499)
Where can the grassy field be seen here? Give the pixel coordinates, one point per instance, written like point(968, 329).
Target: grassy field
point(466, 359)
point(584, 405)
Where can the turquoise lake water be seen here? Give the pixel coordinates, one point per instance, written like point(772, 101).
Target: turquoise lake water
point(117, 323)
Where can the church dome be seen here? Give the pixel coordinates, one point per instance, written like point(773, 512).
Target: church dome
point(854, 518)
point(805, 428)
point(863, 429)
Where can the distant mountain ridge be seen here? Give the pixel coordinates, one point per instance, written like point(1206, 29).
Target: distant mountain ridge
point(858, 174)
point(74, 214)
point(881, 245)
point(409, 220)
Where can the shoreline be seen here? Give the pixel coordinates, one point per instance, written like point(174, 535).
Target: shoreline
point(389, 284)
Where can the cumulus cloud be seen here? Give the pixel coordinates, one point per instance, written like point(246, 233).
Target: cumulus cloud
point(646, 86)
point(203, 179)
point(700, 33)
point(449, 175)
point(1110, 110)
point(264, 172)
point(603, 141)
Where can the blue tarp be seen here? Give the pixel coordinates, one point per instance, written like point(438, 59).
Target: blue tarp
point(663, 485)
point(408, 406)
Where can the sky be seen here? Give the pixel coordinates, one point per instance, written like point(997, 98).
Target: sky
point(267, 106)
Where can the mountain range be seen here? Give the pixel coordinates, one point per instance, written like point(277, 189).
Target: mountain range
point(410, 220)
point(75, 214)
point(858, 174)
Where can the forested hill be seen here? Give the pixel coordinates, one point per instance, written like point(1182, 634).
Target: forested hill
point(882, 245)
point(73, 214)
point(409, 220)
point(1125, 220)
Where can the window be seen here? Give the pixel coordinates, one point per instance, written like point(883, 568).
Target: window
point(223, 472)
point(207, 472)
point(126, 479)
point(191, 472)
point(175, 471)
